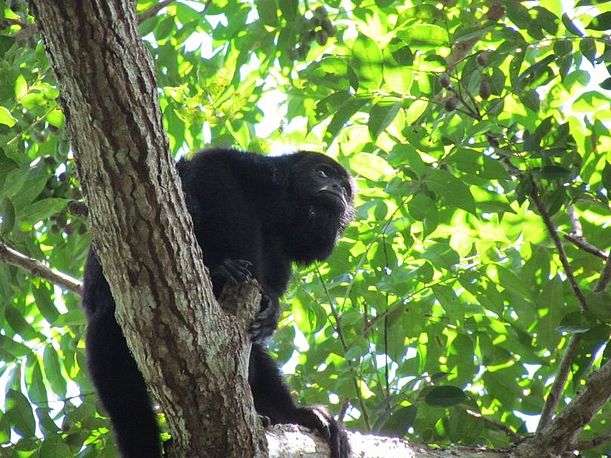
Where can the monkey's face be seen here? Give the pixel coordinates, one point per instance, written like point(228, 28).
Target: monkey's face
point(324, 183)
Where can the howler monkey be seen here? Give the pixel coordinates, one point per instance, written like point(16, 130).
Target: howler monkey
point(254, 216)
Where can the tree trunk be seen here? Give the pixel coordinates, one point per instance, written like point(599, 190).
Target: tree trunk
point(193, 356)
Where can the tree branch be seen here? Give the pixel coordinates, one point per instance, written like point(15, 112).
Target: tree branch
point(153, 10)
point(143, 233)
point(568, 270)
point(593, 443)
point(585, 246)
point(605, 277)
point(37, 269)
point(560, 433)
point(558, 386)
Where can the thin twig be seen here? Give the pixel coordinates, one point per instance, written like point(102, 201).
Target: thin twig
point(568, 270)
point(37, 269)
point(575, 223)
point(558, 386)
point(153, 10)
point(576, 236)
point(585, 246)
point(605, 277)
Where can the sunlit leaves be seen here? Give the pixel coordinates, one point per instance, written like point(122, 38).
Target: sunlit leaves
point(6, 118)
point(380, 117)
point(367, 59)
point(424, 35)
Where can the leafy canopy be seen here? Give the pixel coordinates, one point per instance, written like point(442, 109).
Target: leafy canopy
point(446, 299)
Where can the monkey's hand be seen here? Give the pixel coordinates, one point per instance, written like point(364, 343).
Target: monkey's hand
point(232, 271)
point(266, 321)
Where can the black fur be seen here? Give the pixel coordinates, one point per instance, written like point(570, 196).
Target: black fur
point(254, 216)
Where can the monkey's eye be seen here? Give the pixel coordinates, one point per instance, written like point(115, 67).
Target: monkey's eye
point(322, 173)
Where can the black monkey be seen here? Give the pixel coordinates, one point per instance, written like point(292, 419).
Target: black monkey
point(254, 216)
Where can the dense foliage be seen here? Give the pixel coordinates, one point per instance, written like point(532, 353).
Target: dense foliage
point(446, 303)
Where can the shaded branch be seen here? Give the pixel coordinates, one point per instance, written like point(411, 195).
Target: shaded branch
point(593, 443)
point(575, 223)
point(558, 386)
point(585, 246)
point(605, 277)
point(568, 270)
point(576, 236)
point(567, 359)
point(37, 269)
point(559, 434)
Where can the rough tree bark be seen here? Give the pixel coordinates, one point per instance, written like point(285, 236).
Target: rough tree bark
point(142, 232)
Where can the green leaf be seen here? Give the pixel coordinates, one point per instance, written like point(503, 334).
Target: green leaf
point(578, 322)
point(602, 22)
point(420, 206)
point(424, 35)
point(445, 396)
point(19, 413)
point(42, 209)
point(185, 14)
point(543, 18)
point(46, 423)
point(453, 191)
point(6, 118)
point(34, 381)
point(13, 182)
point(552, 172)
point(289, 8)
point(7, 216)
point(44, 303)
point(531, 100)
point(371, 166)
point(19, 324)
point(512, 283)
point(53, 371)
point(606, 177)
point(563, 47)
point(367, 62)
point(380, 117)
point(400, 421)
point(54, 446)
point(570, 26)
point(21, 87)
point(15, 349)
point(587, 46)
point(268, 12)
point(71, 318)
point(587, 350)
point(343, 114)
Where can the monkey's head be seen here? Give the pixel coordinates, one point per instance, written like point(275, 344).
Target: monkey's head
point(324, 184)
